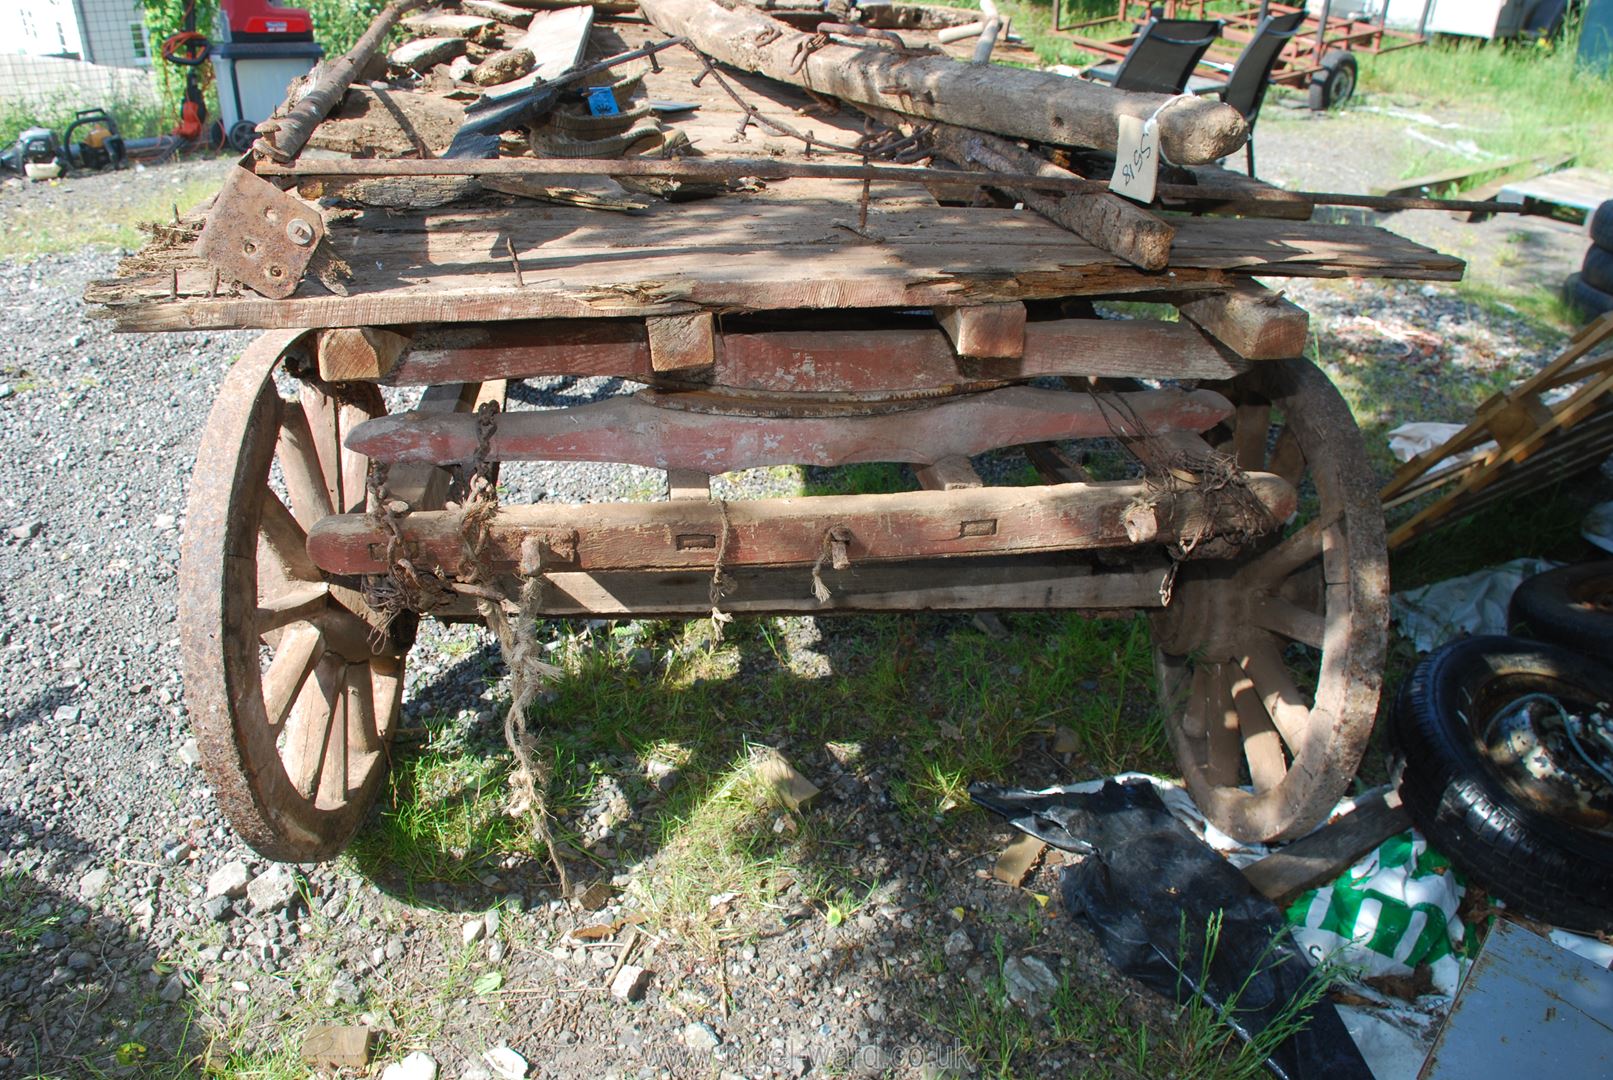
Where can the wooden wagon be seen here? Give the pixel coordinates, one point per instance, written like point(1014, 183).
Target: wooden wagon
point(780, 303)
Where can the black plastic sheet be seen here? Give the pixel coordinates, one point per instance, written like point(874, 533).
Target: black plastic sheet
point(1149, 889)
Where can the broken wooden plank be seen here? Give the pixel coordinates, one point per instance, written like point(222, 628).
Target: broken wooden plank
point(985, 331)
point(1007, 101)
point(445, 24)
point(557, 41)
point(686, 533)
point(681, 343)
point(500, 12)
point(1329, 851)
point(423, 54)
point(1015, 861)
point(350, 353)
point(793, 789)
point(1252, 321)
point(684, 431)
point(948, 474)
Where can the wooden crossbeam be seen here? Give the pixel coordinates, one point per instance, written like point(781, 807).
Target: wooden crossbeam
point(675, 431)
point(687, 533)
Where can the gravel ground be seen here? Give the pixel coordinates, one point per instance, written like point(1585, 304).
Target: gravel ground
point(109, 837)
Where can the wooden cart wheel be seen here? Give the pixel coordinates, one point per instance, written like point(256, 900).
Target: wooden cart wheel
point(1270, 665)
point(292, 703)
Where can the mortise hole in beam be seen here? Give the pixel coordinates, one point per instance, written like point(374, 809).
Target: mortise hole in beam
point(982, 527)
point(691, 541)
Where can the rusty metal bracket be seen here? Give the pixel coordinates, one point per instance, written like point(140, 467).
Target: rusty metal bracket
point(260, 236)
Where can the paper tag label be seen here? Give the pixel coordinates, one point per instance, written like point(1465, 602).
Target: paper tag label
point(1136, 159)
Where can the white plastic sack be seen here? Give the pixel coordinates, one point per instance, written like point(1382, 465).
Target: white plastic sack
point(1473, 604)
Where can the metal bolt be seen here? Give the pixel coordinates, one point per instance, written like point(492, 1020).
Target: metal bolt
point(299, 232)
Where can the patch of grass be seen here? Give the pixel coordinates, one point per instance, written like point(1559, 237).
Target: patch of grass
point(1524, 99)
point(138, 115)
point(931, 702)
point(20, 926)
point(48, 230)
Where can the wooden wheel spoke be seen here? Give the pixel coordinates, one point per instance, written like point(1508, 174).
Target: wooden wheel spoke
point(355, 466)
point(1282, 699)
point(1223, 752)
point(1287, 458)
point(293, 661)
point(386, 680)
point(1252, 427)
point(324, 428)
point(1304, 545)
point(285, 539)
point(299, 604)
point(1288, 619)
point(332, 787)
point(363, 734)
point(1195, 710)
point(309, 729)
point(1262, 746)
point(299, 461)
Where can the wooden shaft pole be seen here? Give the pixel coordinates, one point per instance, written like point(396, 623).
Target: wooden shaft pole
point(293, 130)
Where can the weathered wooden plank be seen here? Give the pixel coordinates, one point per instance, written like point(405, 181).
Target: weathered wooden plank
point(901, 356)
point(980, 583)
point(348, 353)
point(557, 39)
point(1329, 851)
point(1008, 101)
point(444, 23)
point(986, 331)
point(682, 343)
point(1103, 219)
point(1252, 321)
point(501, 12)
point(687, 533)
point(519, 350)
point(660, 434)
point(1237, 193)
point(761, 252)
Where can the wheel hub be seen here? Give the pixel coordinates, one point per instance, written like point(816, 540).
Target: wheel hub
point(1206, 616)
point(1556, 756)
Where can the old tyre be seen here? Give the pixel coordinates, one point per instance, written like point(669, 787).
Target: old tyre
point(1597, 271)
point(292, 692)
point(1600, 226)
point(1269, 665)
point(1571, 606)
point(1514, 808)
point(1586, 298)
point(1335, 83)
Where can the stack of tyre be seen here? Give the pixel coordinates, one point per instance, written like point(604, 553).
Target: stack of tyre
point(1591, 290)
point(1522, 801)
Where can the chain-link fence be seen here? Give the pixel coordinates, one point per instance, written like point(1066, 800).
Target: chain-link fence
point(60, 56)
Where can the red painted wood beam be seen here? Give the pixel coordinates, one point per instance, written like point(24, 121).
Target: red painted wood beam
point(866, 360)
point(639, 431)
point(686, 533)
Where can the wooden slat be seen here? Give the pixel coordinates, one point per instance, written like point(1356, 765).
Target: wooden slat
point(636, 431)
point(1252, 321)
point(991, 584)
point(1329, 851)
point(686, 533)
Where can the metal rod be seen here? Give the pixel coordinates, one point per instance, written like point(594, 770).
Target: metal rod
point(733, 169)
